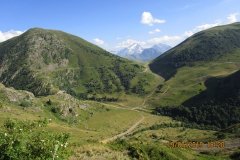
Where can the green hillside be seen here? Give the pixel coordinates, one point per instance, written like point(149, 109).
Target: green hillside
point(217, 53)
point(219, 90)
point(52, 70)
point(45, 61)
point(88, 123)
point(202, 86)
point(218, 105)
point(207, 46)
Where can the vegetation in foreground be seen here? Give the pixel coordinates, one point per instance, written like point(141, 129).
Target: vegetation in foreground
point(29, 140)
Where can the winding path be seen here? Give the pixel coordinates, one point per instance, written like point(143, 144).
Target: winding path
point(123, 133)
point(135, 125)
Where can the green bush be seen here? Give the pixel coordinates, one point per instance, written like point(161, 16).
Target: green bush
point(142, 151)
point(28, 140)
point(25, 103)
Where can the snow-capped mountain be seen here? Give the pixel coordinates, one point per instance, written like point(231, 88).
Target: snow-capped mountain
point(137, 52)
point(132, 50)
point(161, 47)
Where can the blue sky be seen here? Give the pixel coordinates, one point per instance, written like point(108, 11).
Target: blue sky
point(113, 24)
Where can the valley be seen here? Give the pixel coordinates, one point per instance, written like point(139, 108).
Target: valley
point(114, 108)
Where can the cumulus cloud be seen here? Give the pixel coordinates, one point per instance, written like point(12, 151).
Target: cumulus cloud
point(176, 39)
point(170, 40)
point(154, 31)
point(98, 41)
point(129, 42)
point(207, 26)
point(232, 17)
point(148, 19)
point(9, 34)
point(200, 28)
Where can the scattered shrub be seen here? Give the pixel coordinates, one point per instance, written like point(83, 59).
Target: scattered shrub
point(28, 140)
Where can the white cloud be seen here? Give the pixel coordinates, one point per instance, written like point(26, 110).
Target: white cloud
point(207, 26)
point(9, 34)
point(175, 39)
point(148, 19)
point(170, 40)
point(129, 42)
point(188, 33)
point(200, 28)
point(154, 31)
point(232, 17)
point(98, 41)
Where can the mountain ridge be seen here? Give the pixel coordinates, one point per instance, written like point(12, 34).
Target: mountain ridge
point(45, 61)
point(136, 52)
point(207, 45)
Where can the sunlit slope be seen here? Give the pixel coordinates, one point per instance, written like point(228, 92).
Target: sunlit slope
point(45, 61)
point(206, 46)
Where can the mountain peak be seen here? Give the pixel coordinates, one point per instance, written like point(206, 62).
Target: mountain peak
point(36, 30)
point(44, 61)
point(136, 52)
point(161, 47)
point(135, 48)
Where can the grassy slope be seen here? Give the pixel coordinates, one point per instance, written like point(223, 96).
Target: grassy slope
point(189, 81)
point(206, 46)
point(94, 123)
point(100, 121)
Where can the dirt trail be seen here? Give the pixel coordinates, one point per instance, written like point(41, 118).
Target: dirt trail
point(123, 133)
point(145, 70)
point(135, 125)
point(127, 132)
point(165, 90)
point(145, 99)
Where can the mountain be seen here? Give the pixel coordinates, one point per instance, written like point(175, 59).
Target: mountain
point(132, 50)
point(161, 47)
point(149, 54)
point(218, 105)
point(219, 90)
point(139, 53)
point(46, 61)
point(187, 68)
point(204, 46)
point(202, 78)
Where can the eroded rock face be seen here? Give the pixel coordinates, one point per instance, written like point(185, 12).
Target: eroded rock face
point(67, 105)
point(34, 53)
point(44, 61)
point(15, 95)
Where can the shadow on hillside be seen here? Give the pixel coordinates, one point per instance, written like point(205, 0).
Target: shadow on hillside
point(219, 90)
point(165, 70)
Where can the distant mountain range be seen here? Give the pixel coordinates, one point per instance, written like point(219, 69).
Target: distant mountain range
point(137, 52)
